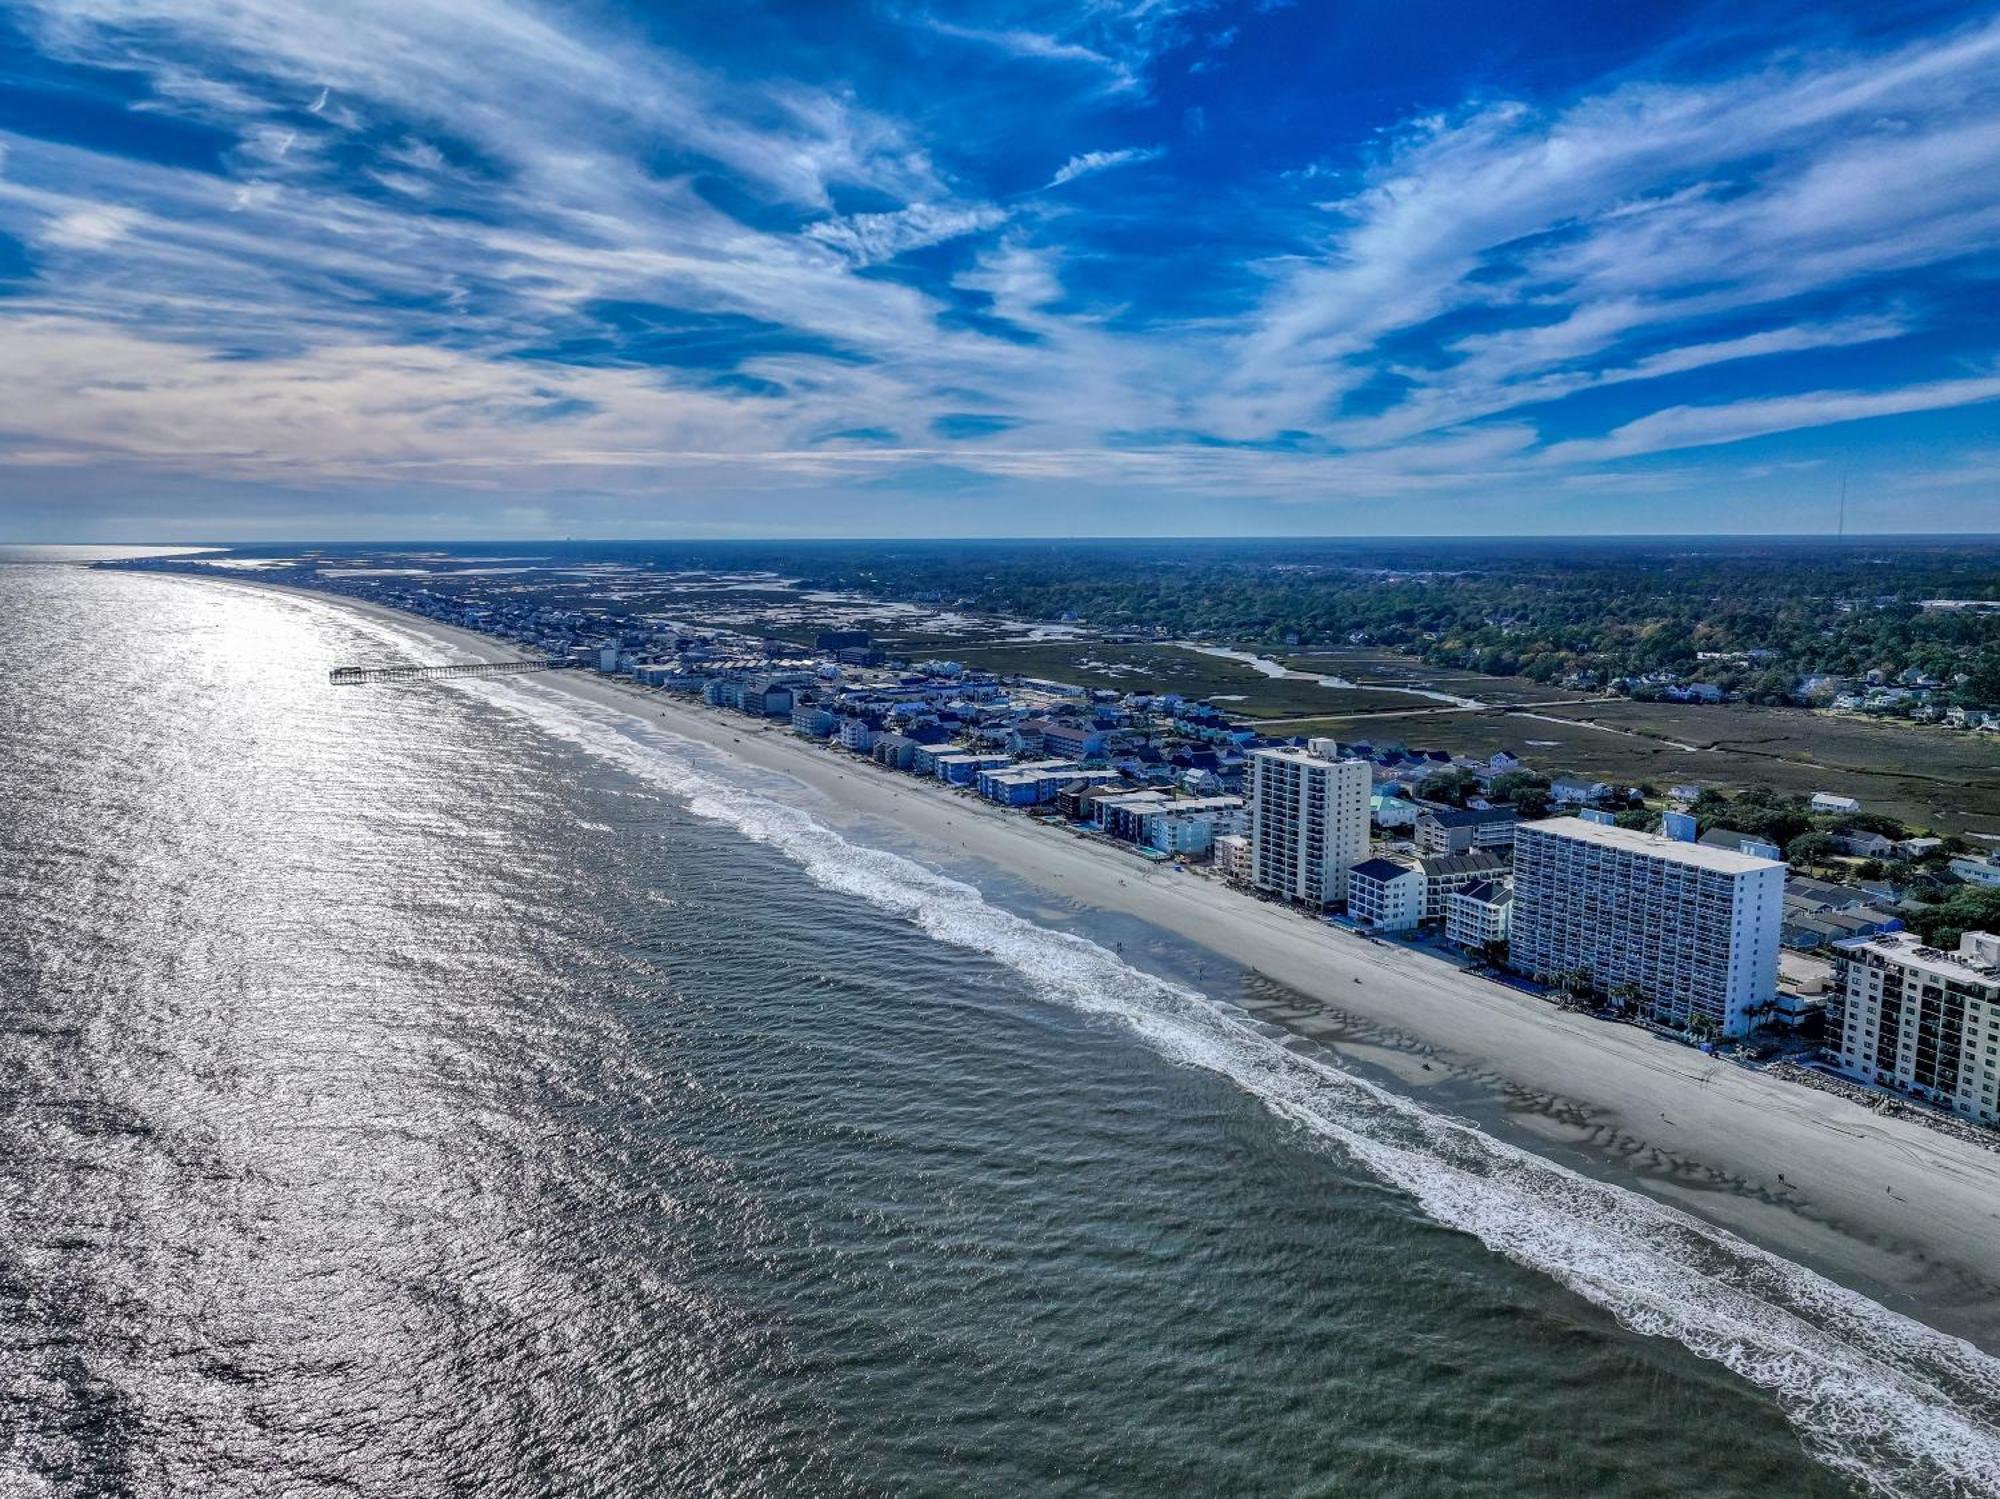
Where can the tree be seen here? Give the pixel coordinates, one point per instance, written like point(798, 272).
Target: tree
point(1971, 909)
point(1509, 784)
point(1452, 786)
point(1809, 849)
point(1575, 984)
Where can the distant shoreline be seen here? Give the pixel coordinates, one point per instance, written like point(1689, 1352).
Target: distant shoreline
point(1907, 1215)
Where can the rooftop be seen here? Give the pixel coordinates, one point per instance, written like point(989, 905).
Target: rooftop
point(1730, 838)
point(1651, 845)
point(1380, 869)
point(1304, 754)
point(1469, 817)
point(1477, 862)
point(1977, 958)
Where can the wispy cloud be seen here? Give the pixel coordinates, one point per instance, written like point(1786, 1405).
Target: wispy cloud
point(871, 238)
point(1098, 161)
point(1645, 209)
point(493, 247)
point(1737, 421)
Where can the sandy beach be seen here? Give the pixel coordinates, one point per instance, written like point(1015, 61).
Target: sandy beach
point(1905, 1214)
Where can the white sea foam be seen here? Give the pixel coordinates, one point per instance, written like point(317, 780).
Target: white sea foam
point(1891, 1403)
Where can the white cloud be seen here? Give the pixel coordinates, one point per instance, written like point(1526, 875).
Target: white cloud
point(1633, 213)
point(90, 228)
point(1737, 421)
point(543, 170)
point(1097, 161)
point(871, 238)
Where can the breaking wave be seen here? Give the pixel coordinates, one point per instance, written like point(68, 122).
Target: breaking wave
point(1892, 1404)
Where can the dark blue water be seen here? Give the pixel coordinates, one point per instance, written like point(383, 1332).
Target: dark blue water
point(401, 1099)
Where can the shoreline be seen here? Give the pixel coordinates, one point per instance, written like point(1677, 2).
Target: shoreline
point(1903, 1214)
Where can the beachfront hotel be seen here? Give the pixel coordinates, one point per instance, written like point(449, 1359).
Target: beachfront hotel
point(1308, 821)
point(1923, 1020)
point(1692, 928)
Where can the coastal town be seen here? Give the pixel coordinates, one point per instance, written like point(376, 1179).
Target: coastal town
point(1807, 935)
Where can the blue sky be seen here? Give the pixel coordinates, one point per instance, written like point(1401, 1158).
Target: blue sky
point(463, 268)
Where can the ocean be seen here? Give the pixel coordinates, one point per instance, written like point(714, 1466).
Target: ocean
point(455, 1090)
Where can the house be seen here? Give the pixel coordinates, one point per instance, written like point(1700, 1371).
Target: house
point(1392, 811)
point(1917, 848)
point(1814, 896)
point(857, 734)
point(1827, 801)
point(1385, 895)
point(1862, 844)
point(1461, 830)
point(1984, 872)
point(1476, 915)
point(1568, 792)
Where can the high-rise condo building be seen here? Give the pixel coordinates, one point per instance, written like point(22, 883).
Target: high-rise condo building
point(1691, 928)
point(1308, 821)
point(1922, 1019)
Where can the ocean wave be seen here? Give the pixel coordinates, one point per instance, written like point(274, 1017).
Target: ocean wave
point(1894, 1405)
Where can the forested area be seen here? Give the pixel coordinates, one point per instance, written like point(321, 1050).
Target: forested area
point(1547, 610)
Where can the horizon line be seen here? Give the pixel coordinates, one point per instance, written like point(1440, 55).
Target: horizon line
point(1832, 539)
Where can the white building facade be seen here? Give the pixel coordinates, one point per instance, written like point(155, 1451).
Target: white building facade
point(1693, 928)
point(1308, 822)
point(1923, 1020)
point(1455, 872)
point(1385, 895)
point(1477, 916)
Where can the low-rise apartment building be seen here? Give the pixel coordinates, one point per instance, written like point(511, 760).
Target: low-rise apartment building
point(1189, 826)
point(1455, 872)
point(1385, 895)
point(1460, 830)
point(1476, 915)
